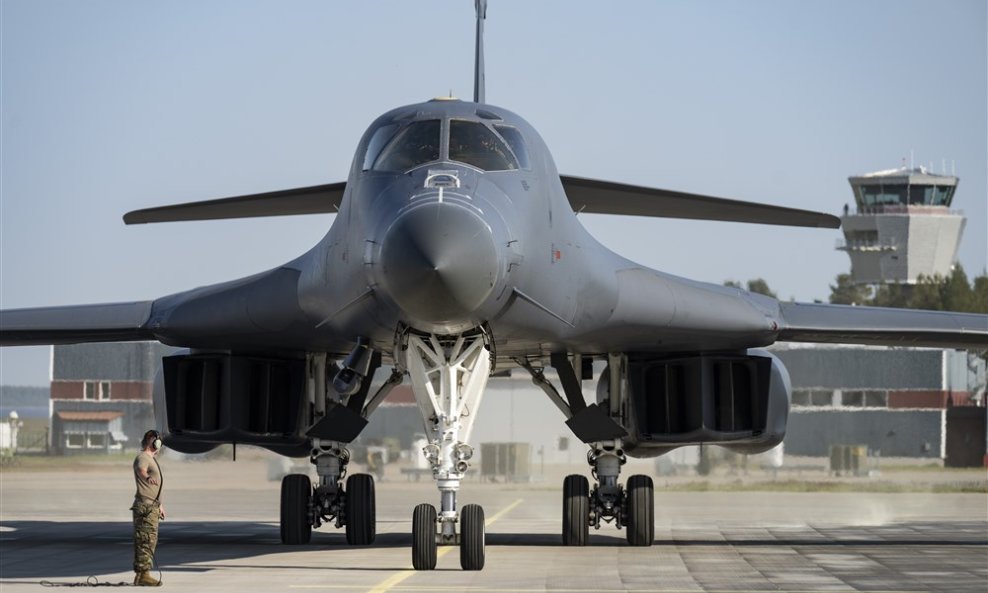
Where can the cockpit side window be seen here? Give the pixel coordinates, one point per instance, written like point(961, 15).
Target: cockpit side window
point(475, 144)
point(377, 142)
point(513, 137)
point(416, 144)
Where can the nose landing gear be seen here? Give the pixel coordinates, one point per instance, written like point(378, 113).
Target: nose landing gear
point(448, 379)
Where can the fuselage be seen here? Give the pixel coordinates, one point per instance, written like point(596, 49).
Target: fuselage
point(454, 217)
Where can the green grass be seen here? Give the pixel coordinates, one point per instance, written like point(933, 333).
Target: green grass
point(974, 487)
point(82, 462)
point(34, 424)
point(927, 467)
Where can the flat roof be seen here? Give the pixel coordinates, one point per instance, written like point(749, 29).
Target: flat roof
point(88, 416)
point(914, 176)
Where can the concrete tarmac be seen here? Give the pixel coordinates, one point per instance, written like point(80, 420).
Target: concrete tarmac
point(222, 535)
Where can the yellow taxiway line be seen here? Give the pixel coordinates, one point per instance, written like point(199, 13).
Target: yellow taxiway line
point(397, 578)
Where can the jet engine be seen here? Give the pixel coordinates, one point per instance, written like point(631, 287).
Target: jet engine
point(736, 400)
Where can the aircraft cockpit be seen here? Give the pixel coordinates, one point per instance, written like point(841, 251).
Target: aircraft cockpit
point(402, 146)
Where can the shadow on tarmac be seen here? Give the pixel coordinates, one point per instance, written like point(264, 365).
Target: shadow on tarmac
point(50, 549)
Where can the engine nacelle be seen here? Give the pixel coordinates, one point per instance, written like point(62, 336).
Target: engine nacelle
point(202, 400)
point(739, 401)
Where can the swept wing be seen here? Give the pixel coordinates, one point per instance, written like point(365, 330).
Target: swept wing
point(315, 199)
point(804, 322)
point(111, 322)
point(585, 195)
point(606, 197)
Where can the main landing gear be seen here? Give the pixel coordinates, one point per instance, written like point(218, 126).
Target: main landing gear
point(448, 379)
point(304, 507)
point(338, 417)
point(601, 426)
point(630, 506)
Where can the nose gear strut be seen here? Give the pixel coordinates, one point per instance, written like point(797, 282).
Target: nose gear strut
point(448, 375)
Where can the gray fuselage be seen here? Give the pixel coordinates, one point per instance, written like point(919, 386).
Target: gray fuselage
point(444, 247)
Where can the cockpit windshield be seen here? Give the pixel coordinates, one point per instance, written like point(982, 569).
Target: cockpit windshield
point(416, 144)
point(513, 137)
point(377, 142)
point(391, 148)
point(475, 144)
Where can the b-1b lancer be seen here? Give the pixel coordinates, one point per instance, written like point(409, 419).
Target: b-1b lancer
point(456, 250)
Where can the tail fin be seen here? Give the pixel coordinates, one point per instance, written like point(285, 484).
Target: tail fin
point(478, 64)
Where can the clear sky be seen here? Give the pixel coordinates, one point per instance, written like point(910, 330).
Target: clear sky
point(113, 105)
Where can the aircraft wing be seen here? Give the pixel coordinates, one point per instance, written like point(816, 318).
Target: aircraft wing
point(113, 322)
point(605, 197)
point(316, 199)
point(803, 322)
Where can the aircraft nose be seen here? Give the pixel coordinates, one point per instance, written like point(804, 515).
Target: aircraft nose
point(439, 263)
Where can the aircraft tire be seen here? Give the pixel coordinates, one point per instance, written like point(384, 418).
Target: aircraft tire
point(424, 537)
point(576, 510)
point(296, 489)
point(361, 511)
point(472, 537)
point(640, 506)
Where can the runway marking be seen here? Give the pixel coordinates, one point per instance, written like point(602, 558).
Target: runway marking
point(543, 589)
point(397, 578)
point(502, 512)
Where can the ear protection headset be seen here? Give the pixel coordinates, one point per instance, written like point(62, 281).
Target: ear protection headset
point(152, 439)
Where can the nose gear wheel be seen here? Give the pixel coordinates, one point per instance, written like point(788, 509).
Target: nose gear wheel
point(424, 537)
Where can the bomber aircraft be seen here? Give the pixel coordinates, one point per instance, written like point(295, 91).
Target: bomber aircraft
point(456, 250)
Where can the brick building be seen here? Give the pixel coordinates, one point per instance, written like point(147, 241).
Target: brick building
point(101, 395)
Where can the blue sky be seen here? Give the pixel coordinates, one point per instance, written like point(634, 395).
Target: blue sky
point(112, 105)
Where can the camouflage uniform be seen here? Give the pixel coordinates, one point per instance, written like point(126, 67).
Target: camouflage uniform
point(147, 510)
point(146, 515)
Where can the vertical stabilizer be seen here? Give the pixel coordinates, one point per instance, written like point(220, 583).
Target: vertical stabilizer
point(478, 64)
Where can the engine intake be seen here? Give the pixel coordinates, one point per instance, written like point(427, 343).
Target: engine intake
point(215, 398)
point(740, 401)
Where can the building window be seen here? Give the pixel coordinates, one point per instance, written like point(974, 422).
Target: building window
point(75, 441)
point(876, 399)
point(97, 440)
point(864, 398)
point(852, 399)
point(96, 390)
point(813, 397)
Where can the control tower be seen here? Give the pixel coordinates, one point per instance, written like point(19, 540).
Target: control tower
point(903, 226)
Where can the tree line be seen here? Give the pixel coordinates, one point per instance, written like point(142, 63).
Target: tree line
point(935, 293)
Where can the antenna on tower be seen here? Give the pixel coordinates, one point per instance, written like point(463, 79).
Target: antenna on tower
point(478, 62)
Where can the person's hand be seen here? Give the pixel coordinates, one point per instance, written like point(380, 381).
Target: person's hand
point(161, 510)
point(152, 480)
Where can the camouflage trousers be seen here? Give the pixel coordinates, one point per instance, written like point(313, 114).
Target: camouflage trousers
point(146, 515)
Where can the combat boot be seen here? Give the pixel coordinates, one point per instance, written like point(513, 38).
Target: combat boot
point(144, 579)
